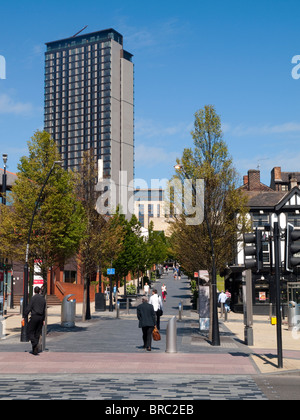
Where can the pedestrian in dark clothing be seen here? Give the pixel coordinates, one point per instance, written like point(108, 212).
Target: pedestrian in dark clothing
point(146, 317)
point(37, 307)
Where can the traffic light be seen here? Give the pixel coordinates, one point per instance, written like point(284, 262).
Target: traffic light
point(254, 250)
point(292, 247)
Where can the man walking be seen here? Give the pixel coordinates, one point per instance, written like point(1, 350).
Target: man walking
point(37, 307)
point(146, 317)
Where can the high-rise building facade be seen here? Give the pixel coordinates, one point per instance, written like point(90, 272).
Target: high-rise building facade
point(89, 101)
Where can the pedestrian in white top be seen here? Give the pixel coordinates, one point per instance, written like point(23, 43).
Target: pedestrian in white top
point(222, 299)
point(146, 289)
point(156, 301)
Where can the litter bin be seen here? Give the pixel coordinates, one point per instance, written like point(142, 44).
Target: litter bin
point(100, 302)
point(68, 312)
point(293, 315)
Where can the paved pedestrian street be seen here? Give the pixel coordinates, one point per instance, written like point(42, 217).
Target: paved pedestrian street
point(129, 387)
point(103, 359)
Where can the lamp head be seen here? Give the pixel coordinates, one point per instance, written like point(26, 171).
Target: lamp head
point(4, 156)
point(58, 162)
point(178, 166)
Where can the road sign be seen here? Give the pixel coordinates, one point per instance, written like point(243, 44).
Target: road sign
point(111, 271)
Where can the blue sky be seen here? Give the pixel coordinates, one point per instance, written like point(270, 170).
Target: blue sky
point(235, 55)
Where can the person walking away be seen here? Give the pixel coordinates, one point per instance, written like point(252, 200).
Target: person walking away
point(156, 301)
point(228, 301)
point(222, 298)
point(164, 291)
point(146, 289)
point(146, 317)
point(37, 308)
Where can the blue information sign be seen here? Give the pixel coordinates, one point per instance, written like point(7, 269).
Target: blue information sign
point(111, 271)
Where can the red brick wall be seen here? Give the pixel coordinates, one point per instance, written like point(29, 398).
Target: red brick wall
point(75, 289)
point(254, 180)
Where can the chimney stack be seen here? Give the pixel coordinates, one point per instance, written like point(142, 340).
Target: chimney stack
point(293, 181)
point(277, 173)
point(254, 180)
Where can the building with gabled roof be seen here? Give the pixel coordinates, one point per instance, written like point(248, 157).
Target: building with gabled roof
point(279, 202)
point(11, 179)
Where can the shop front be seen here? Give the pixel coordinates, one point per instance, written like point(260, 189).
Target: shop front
point(264, 292)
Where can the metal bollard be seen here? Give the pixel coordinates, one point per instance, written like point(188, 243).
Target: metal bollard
point(224, 313)
point(222, 310)
point(118, 310)
point(127, 306)
point(171, 336)
point(180, 311)
point(225, 316)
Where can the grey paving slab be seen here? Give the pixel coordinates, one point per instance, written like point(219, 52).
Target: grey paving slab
point(131, 387)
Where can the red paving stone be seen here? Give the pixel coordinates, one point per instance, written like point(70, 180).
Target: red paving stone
point(123, 363)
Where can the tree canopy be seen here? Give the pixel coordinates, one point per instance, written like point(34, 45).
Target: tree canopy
point(224, 204)
point(60, 219)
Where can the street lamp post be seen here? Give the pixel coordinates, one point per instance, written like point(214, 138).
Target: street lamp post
point(24, 337)
point(4, 179)
point(4, 186)
point(277, 286)
point(215, 323)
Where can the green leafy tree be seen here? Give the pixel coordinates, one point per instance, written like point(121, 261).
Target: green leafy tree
point(59, 222)
point(129, 258)
point(103, 236)
point(225, 205)
point(156, 247)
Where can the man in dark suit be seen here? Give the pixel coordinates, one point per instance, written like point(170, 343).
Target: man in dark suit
point(37, 307)
point(146, 317)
